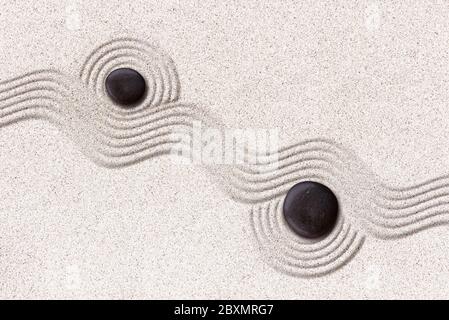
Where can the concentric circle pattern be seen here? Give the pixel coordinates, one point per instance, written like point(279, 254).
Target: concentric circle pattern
point(287, 252)
point(151, 62)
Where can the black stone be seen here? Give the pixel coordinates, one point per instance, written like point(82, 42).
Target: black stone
point(310, 209)
point(126, 87)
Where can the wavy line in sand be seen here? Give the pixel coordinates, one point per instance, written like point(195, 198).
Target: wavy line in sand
point(120, 143)
point(114, 137)
point(390, 212)
point(110, 136)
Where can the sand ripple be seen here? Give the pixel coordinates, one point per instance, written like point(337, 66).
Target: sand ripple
point(115, 137)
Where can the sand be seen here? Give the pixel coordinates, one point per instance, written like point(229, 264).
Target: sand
point(93, 207)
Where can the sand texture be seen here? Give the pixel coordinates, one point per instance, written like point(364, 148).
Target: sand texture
point(95, 205)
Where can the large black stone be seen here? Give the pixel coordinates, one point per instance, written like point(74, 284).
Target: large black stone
point(310, 209)
point(126, 87)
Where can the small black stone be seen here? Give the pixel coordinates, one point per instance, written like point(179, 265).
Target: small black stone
point(310, 209)
point(125, 87)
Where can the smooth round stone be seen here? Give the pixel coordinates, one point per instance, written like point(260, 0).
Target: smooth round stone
point(310, 209)
point(125, 87)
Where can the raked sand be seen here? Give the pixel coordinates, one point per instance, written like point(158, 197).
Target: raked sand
point(86, 215)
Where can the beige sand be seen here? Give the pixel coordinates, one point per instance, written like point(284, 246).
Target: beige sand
point(87, 215)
